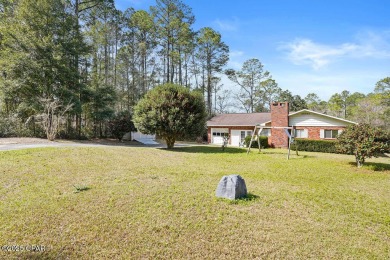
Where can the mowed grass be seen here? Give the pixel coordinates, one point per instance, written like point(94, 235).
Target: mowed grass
point(147, 203)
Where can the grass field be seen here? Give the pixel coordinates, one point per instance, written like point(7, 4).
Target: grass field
point(132, 203)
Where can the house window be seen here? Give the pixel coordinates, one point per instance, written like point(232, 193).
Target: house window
point(300, 133)
point(242, 135)
point(219, 132)
point(331, 134)
point(245, 134)
point(265, 132)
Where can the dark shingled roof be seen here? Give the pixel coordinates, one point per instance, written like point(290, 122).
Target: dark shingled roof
point(250, 119)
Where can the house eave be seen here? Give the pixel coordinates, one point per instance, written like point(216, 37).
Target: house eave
point(321, 114)
point(229, 125)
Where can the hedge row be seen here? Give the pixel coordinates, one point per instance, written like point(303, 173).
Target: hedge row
point(323, 146)
point(263, 142)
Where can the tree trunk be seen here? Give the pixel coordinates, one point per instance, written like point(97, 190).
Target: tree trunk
point(215, 98)
point(209, 93)
point(128, 105)
point(116, 56)
point(168, 66)
point(49, 130)
point(180, 69)
point(251, 99)
point(170, 140)
point(76, 65)
point(359, 161)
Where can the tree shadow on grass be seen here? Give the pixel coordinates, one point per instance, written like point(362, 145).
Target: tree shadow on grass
point(232, 150)
point(294, 157)
point(205, 149)
point(250, 197)
point(377, 167)
point(104, 142)
point(292, 154)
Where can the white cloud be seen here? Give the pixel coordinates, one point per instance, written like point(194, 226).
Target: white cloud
point(236, 65)
point(236, 58)
point(368, 45)
point(236, 53)
point(305, 51)
point(227, 25)
point(374, 44)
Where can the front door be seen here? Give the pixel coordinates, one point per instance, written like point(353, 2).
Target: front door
point(238, 137)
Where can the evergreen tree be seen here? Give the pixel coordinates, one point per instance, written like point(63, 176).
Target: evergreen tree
point(249, 79)
point(215, 55)
point(37, 57)
point(173, 20)
point(268, 92)
point(172, 112)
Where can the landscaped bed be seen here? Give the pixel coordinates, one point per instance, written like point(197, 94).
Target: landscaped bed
point(131, 203)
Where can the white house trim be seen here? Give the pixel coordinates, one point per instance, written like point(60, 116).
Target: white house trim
point(329, 120)
point(218, 126)
point(322, 133)
point(322, 115)
point(314, 120)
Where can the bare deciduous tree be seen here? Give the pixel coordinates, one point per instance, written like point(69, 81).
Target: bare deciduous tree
point(53, 112)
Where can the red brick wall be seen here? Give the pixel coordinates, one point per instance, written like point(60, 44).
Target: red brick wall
point(230, 128)
point(279, 118)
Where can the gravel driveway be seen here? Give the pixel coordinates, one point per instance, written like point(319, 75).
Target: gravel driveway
point(7, 144)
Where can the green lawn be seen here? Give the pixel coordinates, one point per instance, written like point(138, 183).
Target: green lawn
point(132, 203)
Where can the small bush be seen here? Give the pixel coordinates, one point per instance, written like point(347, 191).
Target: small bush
point(263, 142)
point(172, 112)
point(13, 126)
point(323, 146)
point(364, 141)
point(71, 133)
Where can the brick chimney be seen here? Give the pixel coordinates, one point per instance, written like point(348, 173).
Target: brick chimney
point(279, 118)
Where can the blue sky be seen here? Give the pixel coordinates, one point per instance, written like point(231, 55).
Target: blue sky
point(321, 47)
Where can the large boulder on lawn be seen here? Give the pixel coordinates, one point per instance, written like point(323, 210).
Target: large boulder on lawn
point(231, 187)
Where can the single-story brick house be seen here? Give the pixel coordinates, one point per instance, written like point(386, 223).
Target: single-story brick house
point(306, 124)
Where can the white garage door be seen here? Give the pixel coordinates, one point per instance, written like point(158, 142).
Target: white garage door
point(217, 135)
